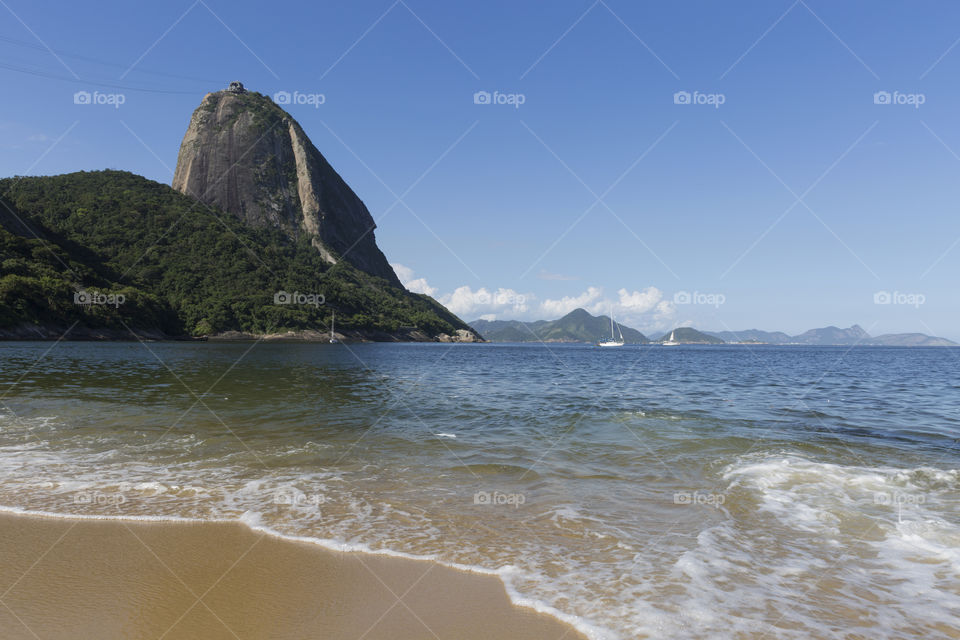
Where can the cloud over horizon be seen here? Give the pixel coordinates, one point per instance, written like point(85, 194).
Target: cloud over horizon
point(416, 285)
point(644, 309)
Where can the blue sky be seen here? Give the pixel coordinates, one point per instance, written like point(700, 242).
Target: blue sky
point(790, 205)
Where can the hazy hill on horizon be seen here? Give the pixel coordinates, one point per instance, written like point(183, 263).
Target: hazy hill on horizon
point(689, 335)
point(580, 326)
point(577, 326)
point(834, 336)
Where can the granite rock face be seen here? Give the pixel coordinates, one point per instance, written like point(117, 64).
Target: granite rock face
point(461, 335)
point(246, 155)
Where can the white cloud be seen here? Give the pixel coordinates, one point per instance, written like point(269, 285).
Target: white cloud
point(644, 309)
point(404, 273)
point(663, 318)
point(420, 286)
point(666, 308)
point(640, 301)
point(553, 309)
point(468, 304)
point(416, 285)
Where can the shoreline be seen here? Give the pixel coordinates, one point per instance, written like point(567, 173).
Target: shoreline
point(313, 337)
point(86, 334)
point(118, 577)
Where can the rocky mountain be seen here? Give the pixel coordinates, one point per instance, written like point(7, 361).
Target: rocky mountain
point(576, 326)
point(112, 255)
point(259, 236)
point(689, 335)
point(245, 155)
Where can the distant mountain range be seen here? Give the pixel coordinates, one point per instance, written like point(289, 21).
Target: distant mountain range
point(581, 326)
point(689, 335)
point(854, 335)
point(576, 326)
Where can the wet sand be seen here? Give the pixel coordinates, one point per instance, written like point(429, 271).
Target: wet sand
point(105, 579)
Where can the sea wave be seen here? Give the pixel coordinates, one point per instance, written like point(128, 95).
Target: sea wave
point(794, 534)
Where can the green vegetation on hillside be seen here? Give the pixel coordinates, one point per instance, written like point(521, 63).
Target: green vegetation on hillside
point(181, 267)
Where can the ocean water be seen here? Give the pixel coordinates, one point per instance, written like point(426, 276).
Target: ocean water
point(663, 492)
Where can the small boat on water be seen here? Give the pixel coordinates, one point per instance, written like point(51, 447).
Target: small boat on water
point(613, 341)
point(671, 341)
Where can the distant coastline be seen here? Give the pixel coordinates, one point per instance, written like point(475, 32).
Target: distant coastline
point(579, 326)
point(86, 334)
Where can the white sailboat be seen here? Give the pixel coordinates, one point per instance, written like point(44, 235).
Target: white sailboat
point(612, 342)
point(333, 323)
point(671, 341)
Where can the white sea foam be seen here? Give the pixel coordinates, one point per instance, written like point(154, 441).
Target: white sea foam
point(106, 516)
point(890, 532)
point(787, 523)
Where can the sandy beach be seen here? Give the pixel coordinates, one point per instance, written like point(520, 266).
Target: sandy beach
point(75, 578)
